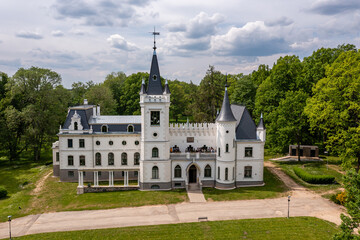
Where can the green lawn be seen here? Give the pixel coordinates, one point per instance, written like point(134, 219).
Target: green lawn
point(299, 228)
point(61, 196)
point(273, 188)
point(319, 168)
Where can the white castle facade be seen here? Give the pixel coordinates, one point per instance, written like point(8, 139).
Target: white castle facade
point(146, 152)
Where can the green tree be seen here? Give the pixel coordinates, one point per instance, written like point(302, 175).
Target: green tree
point(208, 97)
point(352, 221)
point(130, 98)
point(178, 100)
point(102, 95)
point(35, 107)
point(259, 76)
point(244, 91)
point(289, 123)
point(335, 107)
point(115, 81)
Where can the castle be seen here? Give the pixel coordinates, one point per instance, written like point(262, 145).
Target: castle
point(146, 152)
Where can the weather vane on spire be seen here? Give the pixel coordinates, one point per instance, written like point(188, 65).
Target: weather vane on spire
point(155, 33)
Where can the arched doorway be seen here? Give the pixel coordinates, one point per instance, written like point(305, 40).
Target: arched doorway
point(192, 174)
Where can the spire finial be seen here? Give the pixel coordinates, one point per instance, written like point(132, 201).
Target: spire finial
point(226, 83)
point(155, 33)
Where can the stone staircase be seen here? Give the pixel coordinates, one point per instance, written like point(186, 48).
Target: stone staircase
point(194, 187)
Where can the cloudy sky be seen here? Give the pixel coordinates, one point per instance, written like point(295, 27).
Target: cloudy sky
point(87, 39)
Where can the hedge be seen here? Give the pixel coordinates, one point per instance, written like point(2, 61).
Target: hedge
point(310, 178)
point(3, 192)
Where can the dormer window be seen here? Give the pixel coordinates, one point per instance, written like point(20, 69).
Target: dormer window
point(130, 128)
point(76, 122)
point(104, 128)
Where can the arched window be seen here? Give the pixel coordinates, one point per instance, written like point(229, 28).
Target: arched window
point(136, 158)
point(97, 159)
point(207, 172)
point(227, 148)
point(111, 159)
point(104, 129)
point(124, 158)
point(130, 128)
point(155, 172)
point(218, 173)
point(155, 152)
point(75, 126)
point(226, 174)
point(177, 171)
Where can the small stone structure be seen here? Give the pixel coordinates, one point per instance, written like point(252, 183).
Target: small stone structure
point(305, 151)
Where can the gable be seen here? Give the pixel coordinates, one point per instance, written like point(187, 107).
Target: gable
point(245, 126)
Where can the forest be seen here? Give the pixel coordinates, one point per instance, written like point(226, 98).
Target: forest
point(313, 101)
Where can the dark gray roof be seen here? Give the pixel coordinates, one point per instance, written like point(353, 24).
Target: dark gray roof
point(121, 119)
point(154, 86)
point(245, 126)
point(225, 115)
point(261, 123)
point(85, 115)
point(166, 88)
point(116, 128)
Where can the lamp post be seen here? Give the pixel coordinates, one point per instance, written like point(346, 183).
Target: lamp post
point(288, 206)
point(9, 219)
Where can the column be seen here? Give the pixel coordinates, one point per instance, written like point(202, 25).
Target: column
point(111, 178)
point(96, 179)
point(126, 178)
point(81, 179)
point(138, 178)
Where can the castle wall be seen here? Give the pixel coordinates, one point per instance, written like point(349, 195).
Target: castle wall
point(194, 134)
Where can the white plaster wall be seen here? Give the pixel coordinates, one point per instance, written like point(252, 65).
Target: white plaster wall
point(184, 164)
point(104, 149)
point(223, 165)
point(202, 136)
point(164, 171)
point(257, 170)
point(224, 138)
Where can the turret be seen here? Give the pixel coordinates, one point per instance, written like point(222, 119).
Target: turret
point(225, 138)
point(261, 130)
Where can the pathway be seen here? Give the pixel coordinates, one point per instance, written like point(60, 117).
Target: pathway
point(303, 203)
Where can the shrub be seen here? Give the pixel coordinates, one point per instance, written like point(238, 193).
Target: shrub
point(341, 197)
point(333, 198)
point(315, 179)
point(3, 192)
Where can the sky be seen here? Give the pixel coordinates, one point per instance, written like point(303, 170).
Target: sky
point(85, 40)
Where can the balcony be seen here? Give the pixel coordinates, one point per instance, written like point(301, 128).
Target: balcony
point(192, 155)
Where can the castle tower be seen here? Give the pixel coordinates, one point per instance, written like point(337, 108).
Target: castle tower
point(261, 130)
point(225, 142)
point(155, 165)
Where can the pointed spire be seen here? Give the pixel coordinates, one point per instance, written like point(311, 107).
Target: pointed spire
point(226, 115)
point(166, 88)
point(261, 123)
point(142, 89)
point(154, 86)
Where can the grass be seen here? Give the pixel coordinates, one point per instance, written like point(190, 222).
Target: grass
point(273, 188)
point(19, 179)
point(316, 168)
point(61, 196)
point(299, 228)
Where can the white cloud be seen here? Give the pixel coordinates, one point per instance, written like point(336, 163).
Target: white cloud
point(57, 33)
point(253, 39)
point(119, 42)
point(29, 35)
point(310, 44)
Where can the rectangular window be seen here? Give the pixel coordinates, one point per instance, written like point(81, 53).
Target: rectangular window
point(84, 174)
point(70, 143)
point(71, 174)
point(248, 172)
point(136, 173)
point(227, 148)
point(219, 152)
point(81, 143)
point(155, 118)
point(218, 173)
point(82, 160)
point(190, 139)
point(57, 156)
point(70, 161)
point(122, 173)
point(248, 152)
point(99, 174)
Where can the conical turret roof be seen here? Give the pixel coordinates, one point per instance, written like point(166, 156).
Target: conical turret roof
point(226, 115)
point(154, 86)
